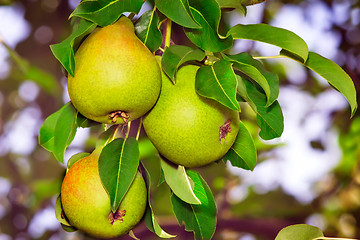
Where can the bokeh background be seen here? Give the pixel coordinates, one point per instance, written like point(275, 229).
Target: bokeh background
point(309, 175)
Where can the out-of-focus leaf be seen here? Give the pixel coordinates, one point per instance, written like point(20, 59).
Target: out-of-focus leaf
point(118, 164)
point(242, 153)
point(207, 14)
point(218, 82)
point(105, 12)
point(149, 216)
point(146, 28)
point(280, 37)
point(175, 55)
point(179, 182)
point(178, 11)
point(253, 69)
point(335, 76)
point(269, 119)
point(64, 52)
point(300, 232)
point(31, 72)
point(201, 219)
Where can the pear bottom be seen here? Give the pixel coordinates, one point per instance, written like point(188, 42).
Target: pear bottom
point(86, 203)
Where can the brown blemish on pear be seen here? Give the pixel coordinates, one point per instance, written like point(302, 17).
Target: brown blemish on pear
point(225, 129)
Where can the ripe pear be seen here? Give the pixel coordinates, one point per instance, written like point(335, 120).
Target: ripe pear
point(86, 203)
point(186, 128)
point(117, 79)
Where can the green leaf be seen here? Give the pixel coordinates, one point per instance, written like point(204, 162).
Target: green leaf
point(242, 153)
point(207, 14)
point(218, 82)
point(58, 131)
point(232, 4)
point(255, 70)
point(65, 130)
point(84, 122)
point(146, 28)
point(118, 164)
point(335, 76)
point(175, 55)
point(74, 158)
point(269, 119)
point(149, 216)
point(201, 219)
point(280, 37)
point(31, 72)
point(60, 216)
point(299, 232)
point(64, 52)
point(105, 12)
point(47, 131)
point(178, 11)
point(179, 182)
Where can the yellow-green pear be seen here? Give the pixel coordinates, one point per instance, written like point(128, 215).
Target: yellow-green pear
point(186, 128)
point(86, 203)
point(117, 79)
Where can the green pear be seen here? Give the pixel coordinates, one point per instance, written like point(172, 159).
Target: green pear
point(186, 128)
point(86, 203)
point(117, 79)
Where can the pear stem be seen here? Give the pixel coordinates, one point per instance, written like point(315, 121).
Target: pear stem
point(128, 130)
point(168, 33)
point(139, 129)
point(131, 16)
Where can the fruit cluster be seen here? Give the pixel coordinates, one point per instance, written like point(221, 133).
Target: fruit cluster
point(117, 80)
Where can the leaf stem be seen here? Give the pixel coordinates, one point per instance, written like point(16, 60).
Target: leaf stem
point(139, 129)
point(168, 33)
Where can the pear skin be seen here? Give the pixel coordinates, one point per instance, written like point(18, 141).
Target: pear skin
point(186, 128)
point(86, 203)
point(117, 79)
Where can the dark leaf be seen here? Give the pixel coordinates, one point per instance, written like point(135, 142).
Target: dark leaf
point(201, 219)
point(178, 11)
point(207, 14)
point(255, 70)
point(242, 153)
point(175, 55)
point(64, 52)
point(218, 82)
point(269, 119)
point(336, 77)
point(147, 30)
point(149, 216)
point(118, 164)
point(105, 12)
point(280, 37)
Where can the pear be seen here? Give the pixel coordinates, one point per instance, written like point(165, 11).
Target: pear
point(86, 203)
point(186, 128)
point(117, 79)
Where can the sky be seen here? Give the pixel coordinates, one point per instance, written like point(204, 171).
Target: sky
point(295, 166)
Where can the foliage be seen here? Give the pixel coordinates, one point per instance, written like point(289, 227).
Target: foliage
point(228, 79)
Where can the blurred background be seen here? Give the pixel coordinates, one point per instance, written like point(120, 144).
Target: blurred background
point(310, 175)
